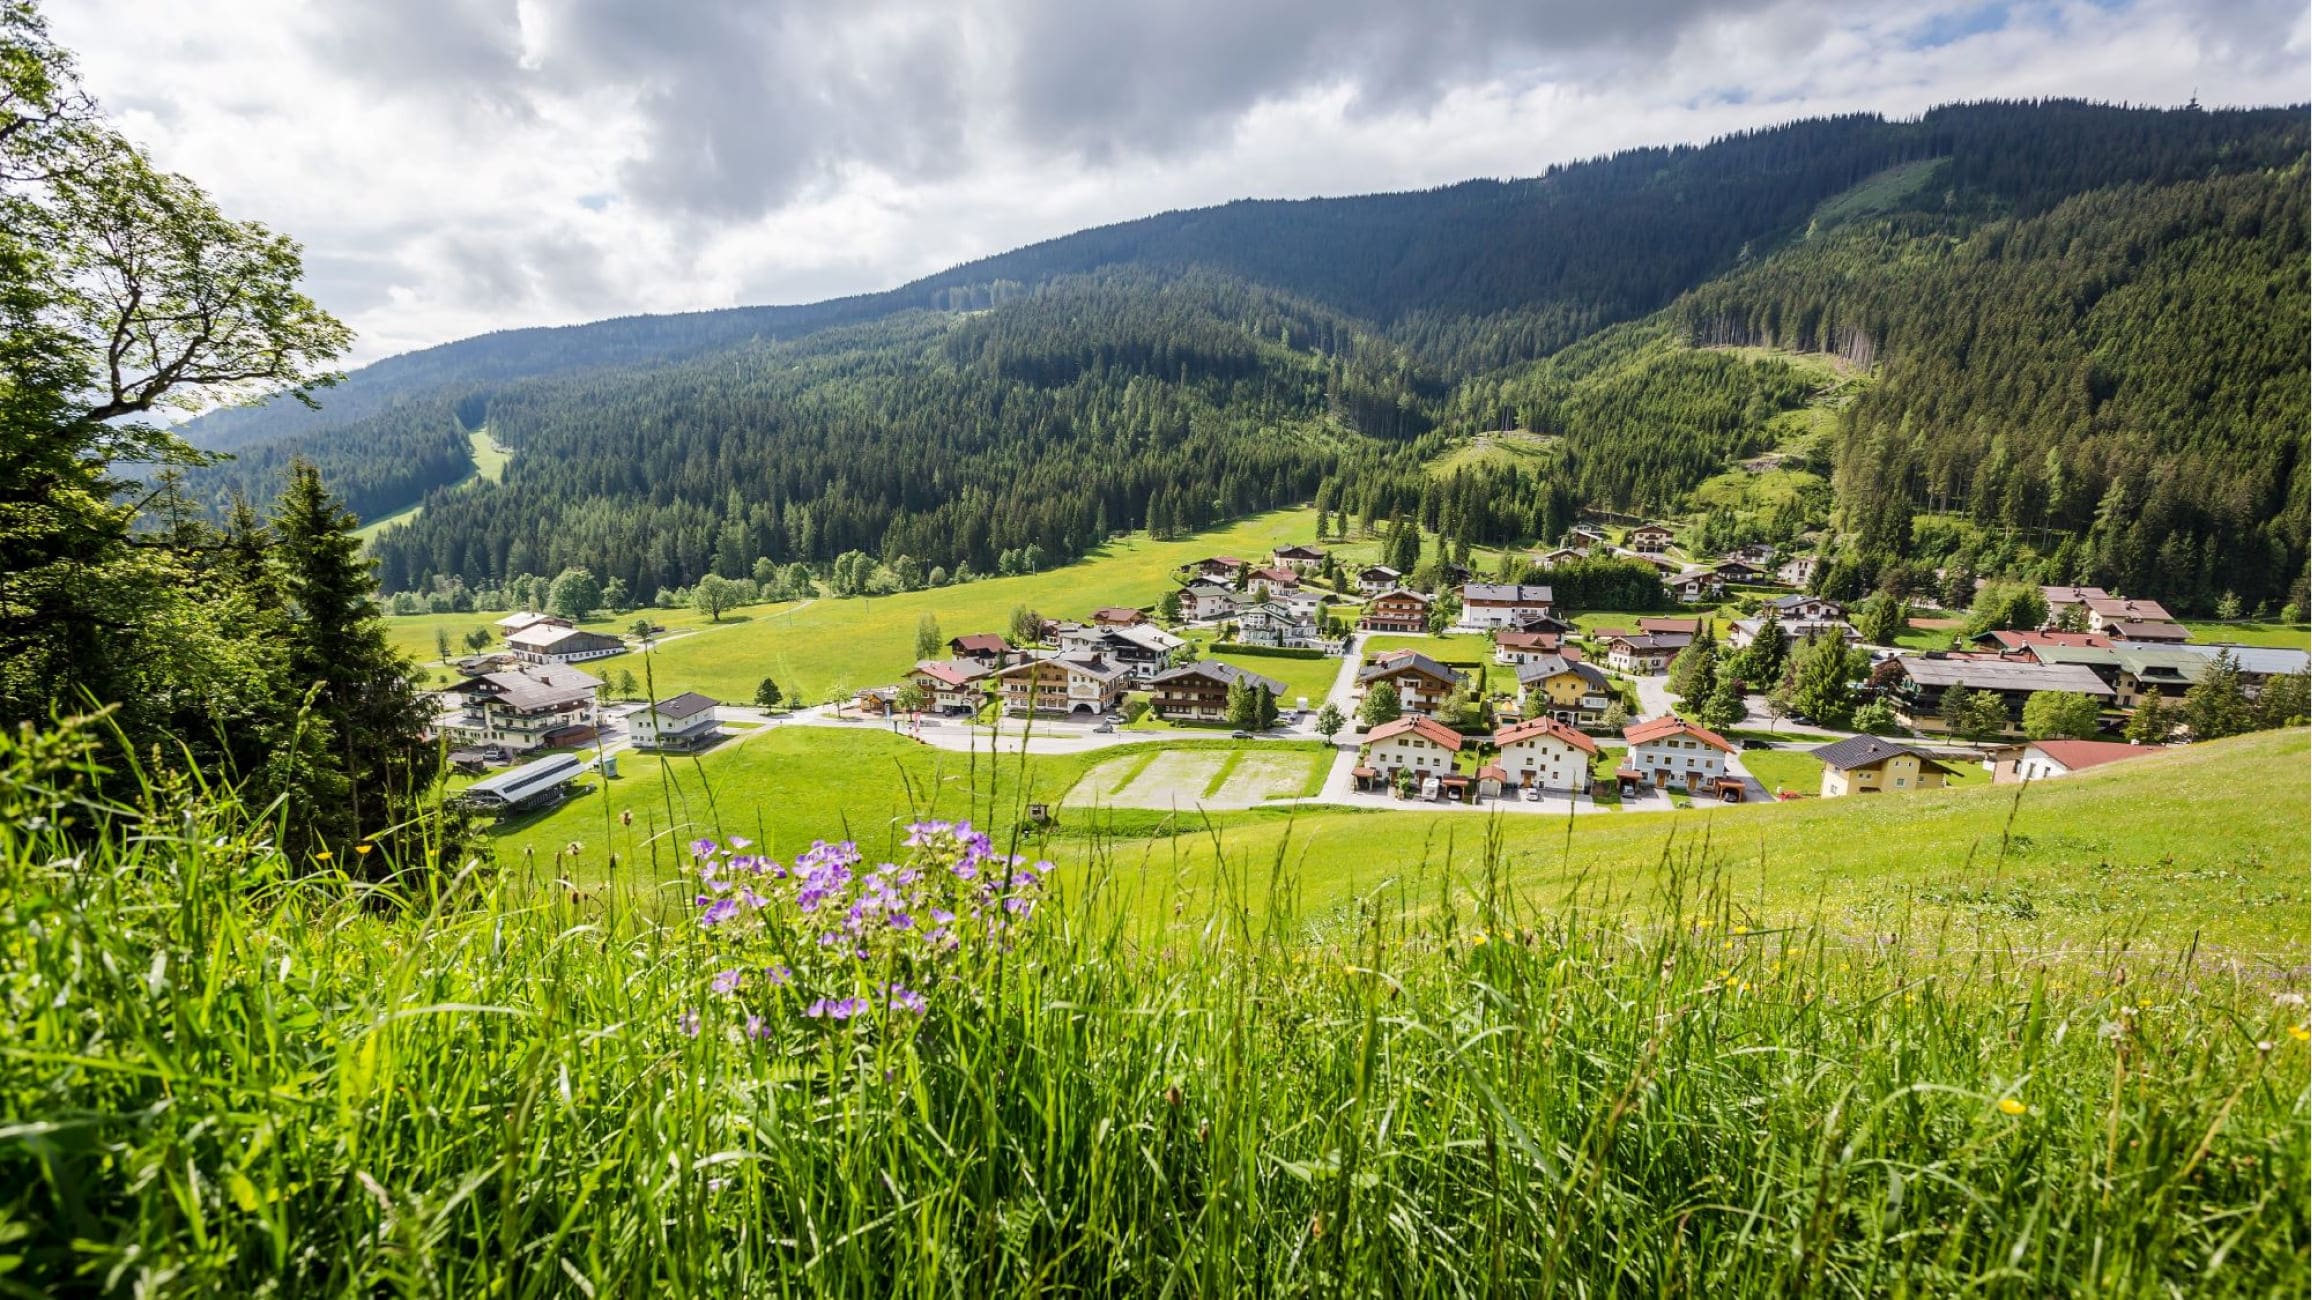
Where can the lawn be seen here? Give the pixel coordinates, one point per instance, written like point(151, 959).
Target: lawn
point(414, 634)
point(1792, 770)
point(2277, 636)
point(833, 647)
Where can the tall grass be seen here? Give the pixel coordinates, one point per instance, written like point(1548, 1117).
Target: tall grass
point(223, 1078)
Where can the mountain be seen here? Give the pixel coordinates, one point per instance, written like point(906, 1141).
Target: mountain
point(2109, 298)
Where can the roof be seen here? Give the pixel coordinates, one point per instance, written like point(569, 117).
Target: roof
point(1548, 666)
point(1794, 601)
point(2003, 675)
point(2114, 607)
point(1538, 728)
point(1300, 552)
point(980, 642)
point(1407, 660)
point(1504, 593)
point(1219, 671)
point(1651, 528)
point(2072, 595)
point(520, 619)
point(1527, 640)
point(688, 704)
point(952, 672)
point(1866, 751)
point(2255, 660)
point(1275, 575)
point(2024, 640)
point(1652, 640)
point(1400, 593)
point(1689, 626)
point(1490, 772)
point(1416, 725)
point(1377, 568)
point(2147, 630)
point(532, 686)
point(544, 637)
point(529, 777)
point(1638, 733)
point(2075, 755)
point(1117, 614)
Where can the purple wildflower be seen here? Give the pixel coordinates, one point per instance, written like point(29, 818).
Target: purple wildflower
point(738, 842)
point(901, 921)
point(720, 911)
point(727, 981)
point(779, 975)
point(702, 848)
point(756, 1028)
point(902, 998)
point(687, 1022)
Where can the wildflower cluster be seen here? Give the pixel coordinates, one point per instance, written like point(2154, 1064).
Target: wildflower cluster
point(830, 939)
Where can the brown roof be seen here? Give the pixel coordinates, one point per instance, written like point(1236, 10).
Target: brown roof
point(950, 673)
point(1117, 614)
point(1490, 772)
point(1275, 575)
point(1533, 728)
point(2113, 607)
point(2076, 755)
point(1656, 728)
point(1527, 640)
point(1689, 626)
point(983, 642)
point(1426, 728)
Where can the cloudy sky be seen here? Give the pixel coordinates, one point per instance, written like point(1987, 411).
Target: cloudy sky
point(455, 166)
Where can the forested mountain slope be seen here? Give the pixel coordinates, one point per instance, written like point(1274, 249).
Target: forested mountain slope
point(2025, 278)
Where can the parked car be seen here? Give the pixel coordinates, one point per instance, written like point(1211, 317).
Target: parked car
point(1105, 728)
point(1755, 744)
point(1240, 735)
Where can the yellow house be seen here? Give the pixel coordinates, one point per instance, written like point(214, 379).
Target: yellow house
point(1870, 765)
point(1571, 691)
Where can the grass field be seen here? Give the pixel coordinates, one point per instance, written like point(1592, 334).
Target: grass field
point(1939, 1044)
point(489, 466)
point(2278, 636)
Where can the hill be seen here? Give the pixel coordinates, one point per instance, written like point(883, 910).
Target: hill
point(2024, 275)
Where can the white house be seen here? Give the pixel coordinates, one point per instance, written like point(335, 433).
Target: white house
point(1206, 600)
point(1374, 579)
point(952, 685)
point(1422, 746)
point(1806, 608)
point(1743, 631)
point(687, 721)
point(1487, 605)
point(1273, 623)
point(2043, 760)
point(1666, 750)
point(556, 642)
point(1546, 753)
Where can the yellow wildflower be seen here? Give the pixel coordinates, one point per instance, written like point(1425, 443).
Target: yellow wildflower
point(2300, 1033)
point(2010, 1106)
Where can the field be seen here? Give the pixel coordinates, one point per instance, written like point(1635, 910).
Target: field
point(489, 466)
point(1243, 775)
point(1928, 1045)
point(2278, 636)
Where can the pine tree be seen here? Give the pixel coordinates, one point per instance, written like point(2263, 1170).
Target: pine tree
point(1820, 688)
point(2217, 705)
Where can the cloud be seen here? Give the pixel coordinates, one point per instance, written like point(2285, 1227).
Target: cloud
point(455, 166)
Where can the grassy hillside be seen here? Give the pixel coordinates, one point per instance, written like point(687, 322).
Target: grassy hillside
point(490, 461)
point(2165, 848)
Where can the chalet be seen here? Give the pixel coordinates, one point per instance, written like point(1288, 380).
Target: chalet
point(1198, 692)
point(1644, 653)
point(1142, 652)
point(1568, 690)
point(2129, 629)
point(1918, 692)
point(2132, 672)
point(1797, 571)
point(875, 701)
point(1074, 683)
point(2044, 760)
point(687, 721)
point(1667, 750)
point(1265, 582)
point(1275, 623)
point(986, 649)
point(1422, 746)
point(1300, 600)
point(2257, 664)
point(1871, 765)
point(2103, 612)
point(1203, 601)
point(1544, 753)
point(2060, 599)
point(1649, 539)
point(1584, 538)
point(1514, 648)
point(1374, 579)
point(1804, 607)
point(1486, 605)
point(526, 708)
point(1734, 570)
point(1224, 567)
point(1549, 623)
point(1396, 610)
point(1690, 627)
point(1421, 682)
point(520, 619)
point(556, 642)
point(1755, 555)
point(1743, 631)
point(1299, 559)
point(1562, 555)
point(952, 685)
point(1693, 586)
point(1118, 616)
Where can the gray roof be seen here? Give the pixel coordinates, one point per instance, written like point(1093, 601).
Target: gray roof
point(1220, 671)
point(1533, 670)
point(545, 636)
point(532, 686)
point(685, 705)
point(1410, 659)
point(1506, 593)
point(2257, 660)
point(1863, 751)
point(2004, 675)
point(529, 778)
point(1654, 640)
point(1792, 602)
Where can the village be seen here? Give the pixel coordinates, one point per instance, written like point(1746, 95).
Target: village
point(1438, 690)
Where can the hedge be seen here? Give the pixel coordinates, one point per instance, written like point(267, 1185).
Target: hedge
point(1276, 651)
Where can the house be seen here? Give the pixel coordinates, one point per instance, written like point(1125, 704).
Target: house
point(1743, 631)
point(1797, 571)
point(522, 709)
point(1731, 569)
point(1694, 585)
point(1584, 537)
point(1224, 567)
point(1303, 602)
point(1142, 651)
point(2008, 641)
point(1422, 746)
point(1396, 610)
point(1299, 559)
point(1649, 539)
point(2138, 670)
point(686, 721)
point(1204, 601)
point(1918, 692)
point(1562, 555)
point(1806, 608)
point(2128, 629)
point(1374, 579)
point(2257, 664)
point(1118, 616)
point(1667, 750)
point(952, 685)
point(1082, 682)
point(1549, 623)
point(1544, 753)
point(986, 649)
point(1514, 648)
point(1198, 692)
point(1422, 683)
point(878, 701)
point(2103, 612)
point(1871, 765)
point(1567, 689)
point(1486, 605)
point(1644, 653)
point(556, 642)
point(1275, 623)
point(2044, 760)
point(1687, 627)
point(2060, 599)
point(521, 619)
point(1754, 555)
